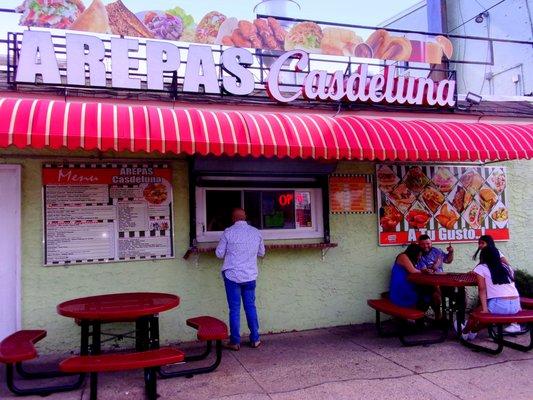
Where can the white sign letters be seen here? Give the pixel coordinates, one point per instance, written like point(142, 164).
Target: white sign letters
point(85, 61)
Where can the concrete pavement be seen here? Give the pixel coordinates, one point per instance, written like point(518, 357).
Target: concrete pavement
point(348, 362)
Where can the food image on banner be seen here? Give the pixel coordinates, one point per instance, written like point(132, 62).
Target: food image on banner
point(107, 212)
point(351, 193)
point(132, 18)
point(449, 203)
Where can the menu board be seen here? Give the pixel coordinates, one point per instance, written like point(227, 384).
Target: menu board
point(107, 213)
point(351, 194)
point(448, 203)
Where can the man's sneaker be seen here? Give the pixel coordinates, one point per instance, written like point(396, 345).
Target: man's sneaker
point(513, 328)
point(471, 336)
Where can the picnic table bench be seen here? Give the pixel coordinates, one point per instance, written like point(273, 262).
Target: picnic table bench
point(19, 347)
point(499, 320)
point(148, 360)
point(403, 314)
point(209, 329)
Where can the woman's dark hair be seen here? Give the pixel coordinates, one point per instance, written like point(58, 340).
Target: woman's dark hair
point(413, 252)
point(498, 273)
point(487, 239)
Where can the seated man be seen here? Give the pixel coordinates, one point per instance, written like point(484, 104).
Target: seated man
point(432, 261)
point(433, 258)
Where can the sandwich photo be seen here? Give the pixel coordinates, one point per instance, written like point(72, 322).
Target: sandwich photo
point(498, 180)
point(415, 179)
point(444, 180)
point(93, 19)
point(306, 36)
point(57, 14)
point(447, 217)
point(487, 198)
point(161, 24)
point(472, 181)
point(339, 41)
point(433, 198)
point(387, 179)
point(402, 197)
point(208, 27)
point(123, 22)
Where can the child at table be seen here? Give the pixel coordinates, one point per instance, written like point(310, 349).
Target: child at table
point(497, 291)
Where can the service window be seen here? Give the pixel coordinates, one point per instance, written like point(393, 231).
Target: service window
point(280, 213)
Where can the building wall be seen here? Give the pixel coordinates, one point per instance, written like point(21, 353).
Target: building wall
point(296, 289)
point(512, 72)
point(510, 20)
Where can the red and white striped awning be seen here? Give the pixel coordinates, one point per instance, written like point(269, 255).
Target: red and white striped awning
point(103, 126)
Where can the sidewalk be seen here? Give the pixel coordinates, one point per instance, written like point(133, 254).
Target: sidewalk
point(348, 362)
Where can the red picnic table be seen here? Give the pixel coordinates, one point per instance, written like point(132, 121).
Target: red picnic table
point(457, 281)
point(142, 308)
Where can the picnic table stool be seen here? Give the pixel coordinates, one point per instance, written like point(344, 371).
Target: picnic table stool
point(148, 360)
point(209, 329)
point(19, 347)
point(403, 314)
point(499, 320)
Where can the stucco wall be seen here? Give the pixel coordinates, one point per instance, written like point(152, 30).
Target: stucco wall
point(296, 289)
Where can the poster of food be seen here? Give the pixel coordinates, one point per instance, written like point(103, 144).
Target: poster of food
point(218, 27)
point(351, 194)
point(95, 213)
point(449, 203)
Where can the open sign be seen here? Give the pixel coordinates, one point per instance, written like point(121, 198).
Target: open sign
point(285, 199)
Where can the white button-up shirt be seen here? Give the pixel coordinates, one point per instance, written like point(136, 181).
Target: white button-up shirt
point(239, 246)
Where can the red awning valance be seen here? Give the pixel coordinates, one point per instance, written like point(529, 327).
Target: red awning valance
point(103, 126)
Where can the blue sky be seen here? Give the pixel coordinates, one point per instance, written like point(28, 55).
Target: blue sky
point(367, 12)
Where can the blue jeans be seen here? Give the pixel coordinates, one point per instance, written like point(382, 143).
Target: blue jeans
point(498, 305)
point(234, 292)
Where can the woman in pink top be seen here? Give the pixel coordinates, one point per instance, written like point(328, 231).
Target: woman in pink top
point(497, 291)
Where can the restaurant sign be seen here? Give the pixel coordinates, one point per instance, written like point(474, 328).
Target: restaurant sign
point(449, 203)
point(86, 66)
point(95, 213)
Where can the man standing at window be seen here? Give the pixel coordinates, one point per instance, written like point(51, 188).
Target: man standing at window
point(239, 246)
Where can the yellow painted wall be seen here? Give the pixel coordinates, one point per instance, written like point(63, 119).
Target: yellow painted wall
point(296, 289)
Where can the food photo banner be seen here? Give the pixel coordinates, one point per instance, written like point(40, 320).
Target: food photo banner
point(95, 213)
point(449, 203)
point(136, 19)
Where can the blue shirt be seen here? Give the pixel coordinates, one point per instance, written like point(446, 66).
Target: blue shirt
point(402, 292)
point(239, 246)
point(427, 260)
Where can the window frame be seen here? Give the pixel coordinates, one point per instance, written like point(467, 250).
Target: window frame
point(317, 231)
